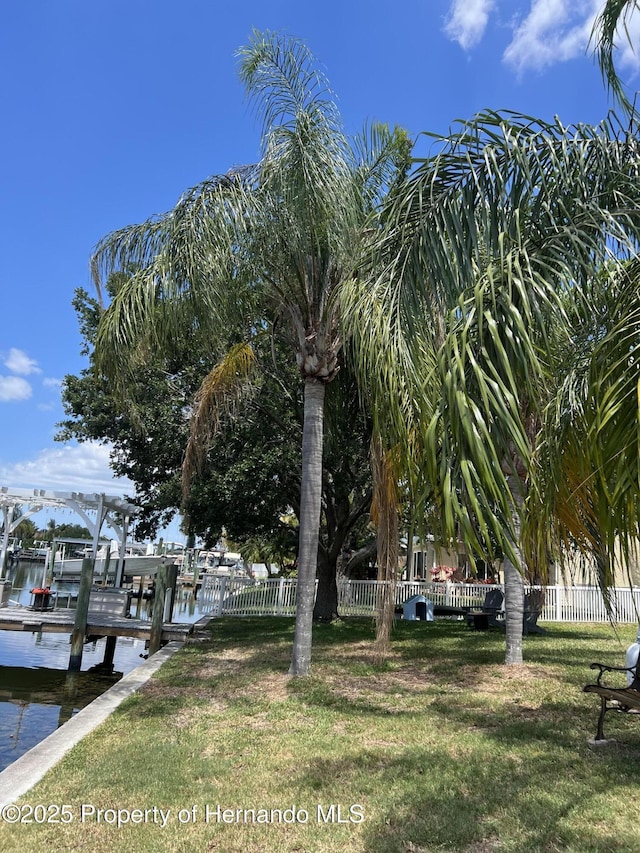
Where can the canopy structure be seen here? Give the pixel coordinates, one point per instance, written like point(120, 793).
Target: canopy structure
point(94, 509)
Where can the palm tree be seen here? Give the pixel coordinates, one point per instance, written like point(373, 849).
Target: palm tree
point(276, 241)
point(486, 253)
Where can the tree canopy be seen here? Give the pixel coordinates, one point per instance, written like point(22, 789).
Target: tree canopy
point(249, 482)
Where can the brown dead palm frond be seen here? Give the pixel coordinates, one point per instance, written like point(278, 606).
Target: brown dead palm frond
point(385, 508)
point(218, 395)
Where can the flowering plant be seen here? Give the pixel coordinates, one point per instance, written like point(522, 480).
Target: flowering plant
point(442, 573)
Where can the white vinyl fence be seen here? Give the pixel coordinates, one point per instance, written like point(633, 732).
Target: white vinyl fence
point(223, 596)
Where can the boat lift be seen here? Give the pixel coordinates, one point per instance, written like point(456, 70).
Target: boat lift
point(94, 509)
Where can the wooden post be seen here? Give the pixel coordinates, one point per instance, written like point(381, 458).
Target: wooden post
point(82, 609)
point(172, 580)
point(155, 638)
point(109, 653)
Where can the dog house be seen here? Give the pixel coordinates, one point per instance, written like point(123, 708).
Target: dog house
point(418, 608)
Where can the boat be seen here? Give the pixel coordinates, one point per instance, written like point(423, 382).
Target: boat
point(210, 564)
point(220, 562)
point(139, 561)
point(14, 549)
point(38, 552)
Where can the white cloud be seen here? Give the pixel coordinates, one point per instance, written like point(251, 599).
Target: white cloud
point(51, 382)
point(553, 31)
point(19, 362)
point(468, 21)
point(13, 389)
point(81, 468)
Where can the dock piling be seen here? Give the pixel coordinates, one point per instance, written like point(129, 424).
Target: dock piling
point(157, 616)
point(82, 609)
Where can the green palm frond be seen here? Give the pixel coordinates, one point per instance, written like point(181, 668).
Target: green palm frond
point(613, 18)
point(505, 183)
point(282, 79)
point(585, 475)
point(305, 166)
point(382, 158)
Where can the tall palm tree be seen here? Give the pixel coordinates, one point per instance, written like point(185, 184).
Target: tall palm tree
point(485, 255)
point(276, 240)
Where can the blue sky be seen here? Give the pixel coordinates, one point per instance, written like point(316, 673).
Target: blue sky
point(111, 108)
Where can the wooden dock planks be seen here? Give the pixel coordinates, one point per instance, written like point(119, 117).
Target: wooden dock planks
point(61, 621)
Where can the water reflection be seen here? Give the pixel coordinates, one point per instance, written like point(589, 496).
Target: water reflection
point(36, 693)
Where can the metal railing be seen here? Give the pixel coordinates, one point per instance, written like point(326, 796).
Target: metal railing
point(241, 597)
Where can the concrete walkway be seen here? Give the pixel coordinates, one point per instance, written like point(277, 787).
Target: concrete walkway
point(23, 774)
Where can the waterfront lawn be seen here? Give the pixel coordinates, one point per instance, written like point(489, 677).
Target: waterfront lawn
point(439, 748)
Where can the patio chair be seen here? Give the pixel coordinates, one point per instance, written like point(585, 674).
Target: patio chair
point(491, 615)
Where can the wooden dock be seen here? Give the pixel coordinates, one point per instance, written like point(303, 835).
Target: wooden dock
point(61, 621)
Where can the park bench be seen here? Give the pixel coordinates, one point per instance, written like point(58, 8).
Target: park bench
point(626, 700)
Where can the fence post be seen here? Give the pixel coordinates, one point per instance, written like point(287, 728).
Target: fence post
point(558, 590)
point(222, 591)
point(280, 595)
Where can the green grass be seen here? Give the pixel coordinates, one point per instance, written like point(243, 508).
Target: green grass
point(440, 747)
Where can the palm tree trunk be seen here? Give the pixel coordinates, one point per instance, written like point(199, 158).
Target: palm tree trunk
point(514, 612)
point(514, 585)
point(310, 505)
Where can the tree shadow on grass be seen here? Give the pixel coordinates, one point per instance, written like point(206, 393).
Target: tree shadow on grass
point(464, 803)
point(428, 661)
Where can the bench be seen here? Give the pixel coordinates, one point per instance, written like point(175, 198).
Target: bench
point(626, 700)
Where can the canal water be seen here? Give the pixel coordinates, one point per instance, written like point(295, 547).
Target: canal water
point(36, 694)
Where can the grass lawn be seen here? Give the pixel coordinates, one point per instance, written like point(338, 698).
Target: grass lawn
point(439, 748)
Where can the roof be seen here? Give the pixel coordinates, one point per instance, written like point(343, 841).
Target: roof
point(72, 500)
